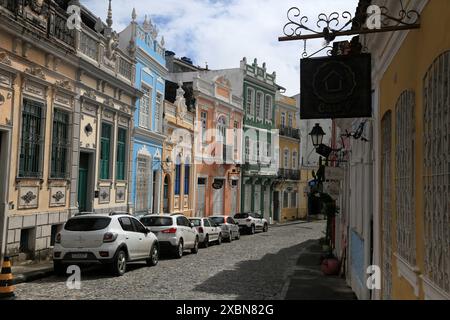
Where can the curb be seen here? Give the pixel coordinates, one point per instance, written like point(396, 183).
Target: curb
point(32, 276)
point(286, 224)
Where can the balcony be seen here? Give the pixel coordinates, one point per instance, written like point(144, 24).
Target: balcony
point(289, 132)
point(289, 174)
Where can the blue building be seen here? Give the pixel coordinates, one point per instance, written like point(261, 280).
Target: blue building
point(142, 42)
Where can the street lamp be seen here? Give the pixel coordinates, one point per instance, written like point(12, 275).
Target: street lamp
point(317, 135)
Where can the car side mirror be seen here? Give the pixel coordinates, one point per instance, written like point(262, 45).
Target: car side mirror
point(192, 225)
point(147, 230)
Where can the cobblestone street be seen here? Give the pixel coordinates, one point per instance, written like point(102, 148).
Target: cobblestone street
point(254, 267)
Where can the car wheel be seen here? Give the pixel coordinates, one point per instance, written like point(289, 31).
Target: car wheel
point(266, 228)
point(154, 256)
point(59, 269)
point(219, 239)
point(206, 242)
point(119, 265)
point(252, 229)
point(194, 250)
point(179, 250)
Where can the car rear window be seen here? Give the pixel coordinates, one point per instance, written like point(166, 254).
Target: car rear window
point(218, 220)
point(87, 224)
point(156, 221)
point(241, 216)
point(196, 222)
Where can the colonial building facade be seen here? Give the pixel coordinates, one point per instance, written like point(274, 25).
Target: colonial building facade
point(257, 88)
point(178, 190)
point(66, 99)
point(142, 41)
point(287, 193)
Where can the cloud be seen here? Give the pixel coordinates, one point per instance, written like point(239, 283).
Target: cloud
point(222, 32)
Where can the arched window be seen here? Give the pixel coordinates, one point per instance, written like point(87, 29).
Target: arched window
point(221, 129)
point(259, 104)
point(386, 214)
point(268, 107)
point(404, 176)
point(436, 172)
point(250, 100)
point(187, 175)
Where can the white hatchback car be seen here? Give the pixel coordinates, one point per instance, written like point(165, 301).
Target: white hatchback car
point(114, 240)
point(175, 233)
point(208, 231)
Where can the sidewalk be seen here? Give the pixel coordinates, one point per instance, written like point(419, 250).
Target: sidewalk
point(30, 272)
point(307, 282)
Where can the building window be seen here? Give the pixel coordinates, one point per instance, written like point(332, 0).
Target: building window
point(89, 46)
point(286, 159)
point(204, 119)
point(236, 138)
point(178, 177)
point(121, 154)
point(436, 172)
point(290, 120)
point(247, 149)
point(285, 199)
point(259, 101)
point(268, 107)
point(404, 176)
point(283, 119)
point(60, 144)
point(294, 160)
point(32, 139)
point(250, 99)
point(145, 107)
point(386, 207)
point(187, 173)
point(105, 151)
point(143, 178)
point(158, 108)
point(294, 196)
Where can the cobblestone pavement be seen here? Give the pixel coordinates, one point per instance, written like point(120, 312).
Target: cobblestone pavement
point(254, 267)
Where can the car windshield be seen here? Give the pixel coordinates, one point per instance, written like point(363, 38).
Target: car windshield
point(196, 222)
point(87, 224)
point(218, 220)
point(241, 216)
point(156, 221)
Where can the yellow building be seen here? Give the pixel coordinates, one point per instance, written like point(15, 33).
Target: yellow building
point(411, 76)
point(66, 105)
point(289, 195)
point(178, 177)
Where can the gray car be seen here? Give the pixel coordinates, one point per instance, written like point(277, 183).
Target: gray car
point(230, 228)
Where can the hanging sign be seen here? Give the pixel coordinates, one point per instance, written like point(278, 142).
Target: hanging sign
point(336, 87)
point(218, 184)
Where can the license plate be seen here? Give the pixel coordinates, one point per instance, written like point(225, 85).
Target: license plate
point(79, 255)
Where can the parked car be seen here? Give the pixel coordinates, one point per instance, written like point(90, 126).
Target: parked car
point(175, 233)
point(251, 222)
point(230, 228)
point(113, 240)
point(208, 231)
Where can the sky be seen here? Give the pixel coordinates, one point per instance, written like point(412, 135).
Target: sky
point(222, 32)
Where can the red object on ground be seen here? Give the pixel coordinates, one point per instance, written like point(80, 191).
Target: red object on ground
point(330, 267)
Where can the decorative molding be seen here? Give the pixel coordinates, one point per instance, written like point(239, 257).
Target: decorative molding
point(36, 71)
point(28, 197)
point(104, 195)
point(120, 194)
point(58, 196)
point(433, 292)
point(90, 94)
point(65, 84)
point(4, 58)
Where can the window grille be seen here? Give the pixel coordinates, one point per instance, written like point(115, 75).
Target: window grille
point(32, 140)
point(436, 171)
point(88, 46)
point(404, 177)
point(145, 107)
point(60, 144)
point(143, 179)
point(386, 207)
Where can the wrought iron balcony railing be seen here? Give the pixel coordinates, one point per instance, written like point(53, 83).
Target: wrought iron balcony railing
point(289, 174)
point(289, 132)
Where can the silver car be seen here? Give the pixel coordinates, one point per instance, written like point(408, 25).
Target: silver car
point(230, 228)
point(208, 231)
point(175, 233)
